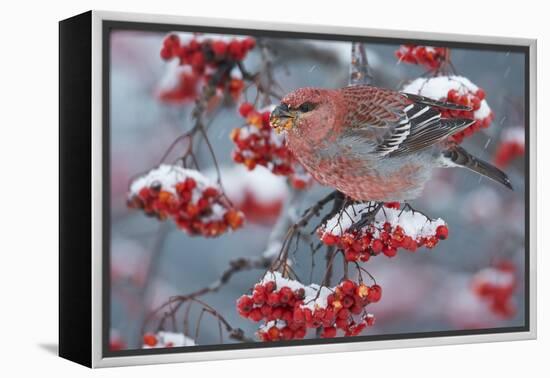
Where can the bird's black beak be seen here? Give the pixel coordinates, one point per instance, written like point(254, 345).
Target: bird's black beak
point(282, 118)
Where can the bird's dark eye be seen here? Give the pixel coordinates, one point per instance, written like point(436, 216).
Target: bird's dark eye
point(306, 107)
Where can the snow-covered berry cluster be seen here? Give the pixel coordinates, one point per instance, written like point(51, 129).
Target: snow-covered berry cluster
point(428, 56)
point(458, 90)
point(190, 199)
point(390, 230)
point(289, 309)
point(496, 285)
point(257, 143)
point(512, 145)
point(210, 59)
point(166, 340)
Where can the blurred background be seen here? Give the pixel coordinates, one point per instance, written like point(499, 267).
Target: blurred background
point(430, 290)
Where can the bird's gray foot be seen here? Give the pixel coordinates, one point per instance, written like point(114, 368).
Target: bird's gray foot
point(367, 217)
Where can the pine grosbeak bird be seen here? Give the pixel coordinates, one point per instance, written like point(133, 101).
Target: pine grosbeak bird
point(374, 144)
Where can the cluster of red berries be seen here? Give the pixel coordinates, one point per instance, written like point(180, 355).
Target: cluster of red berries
point(391, 230)
point(428, 56)
point(211, 60)
point(511, 147)
point(474, 101)
point(257, 143)
point(290, 309)
point(497, 285)
point(187, 197)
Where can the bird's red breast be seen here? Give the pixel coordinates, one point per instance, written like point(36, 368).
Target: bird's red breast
point(358, 177)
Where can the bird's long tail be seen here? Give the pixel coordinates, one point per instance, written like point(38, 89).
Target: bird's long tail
point(458, 156)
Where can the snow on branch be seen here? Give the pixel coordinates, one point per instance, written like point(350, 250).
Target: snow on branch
point(191, 200)
point(389, 230)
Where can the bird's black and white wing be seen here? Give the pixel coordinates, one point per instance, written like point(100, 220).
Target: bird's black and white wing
point(397, 123)
point(421, 126)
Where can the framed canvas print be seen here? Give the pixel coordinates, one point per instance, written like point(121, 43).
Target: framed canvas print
point(236, 189)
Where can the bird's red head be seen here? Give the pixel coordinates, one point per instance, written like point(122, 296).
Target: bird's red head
point(311, 113)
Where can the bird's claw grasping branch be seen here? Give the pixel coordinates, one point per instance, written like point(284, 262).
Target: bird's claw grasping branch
point(367, 217)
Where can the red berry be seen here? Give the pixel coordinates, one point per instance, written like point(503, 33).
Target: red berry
point(356, 309)
point(329, 239)
point(165, 53)
point(343, 313)
point(442, 232)
point(328, 332)
point(235, 49)
point(245, 304)
point(300, 333)
point(377, 246)
point(342, 323)
point(273, 333)
point(285, 294)
point(392, 205)
point(194, 45)
point(269, 286)
point(266, 310)
point(350, 255)
point(190, 183)
point(149, 339)
point(365, 257)
point(197, 61)
point(375, 293)
point(255, 315)
point(347, 301)
point(259, 297)
point(249, 43)
point(476, 103)
point(273, 299)
point(286, 333)
point(480, 93)
point(348, 287)
point(389, 251)
point(245, 109)
point(171, 41)
point(210, 192)
point(219, 48)
point(277, 313)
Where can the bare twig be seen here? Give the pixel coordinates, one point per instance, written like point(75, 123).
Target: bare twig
point(281, 261)
point(144, 292)
point(359, 67)
point(338, 205)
